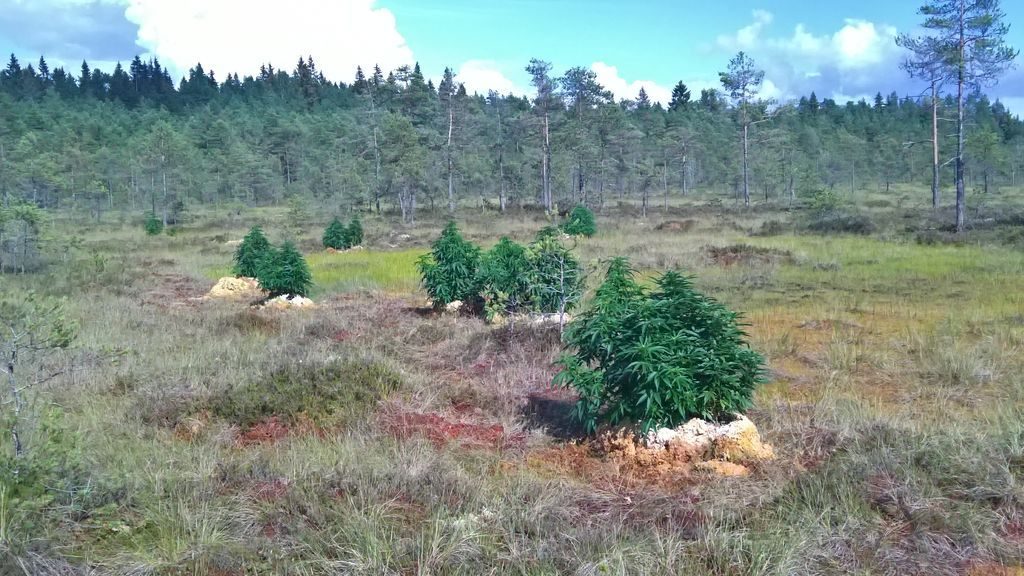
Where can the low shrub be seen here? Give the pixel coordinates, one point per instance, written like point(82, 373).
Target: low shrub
point(335, 235)
point(830, 215)
point(284, 271)
point(338, 393)
point(657, 357)
point(580, 222)
point(555, 276)
point(341, 237)
point(841, 221)
point(504, 278)
point(251, 254)
point(354, 232)
point(449, 271)
point(153, 225)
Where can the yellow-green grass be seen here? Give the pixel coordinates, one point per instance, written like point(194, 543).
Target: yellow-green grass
point(356, 270)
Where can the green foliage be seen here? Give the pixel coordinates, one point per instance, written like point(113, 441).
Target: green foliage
point(153, 225)
point(335, 236)
point(339, 392)
point(580, 222)
point(341, 237)
point(555, 276)
point(298, 212)
point(449, 272)
point(829, 214)
point(284, 272)
point(657, 357)
point(251, 253)
point(21, 232)
point(354, 232)
point(504, 278)
point(824, 201)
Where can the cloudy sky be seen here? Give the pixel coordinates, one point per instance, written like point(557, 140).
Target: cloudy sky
point(838, 49)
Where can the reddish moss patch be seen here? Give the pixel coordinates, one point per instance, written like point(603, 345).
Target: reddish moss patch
point(264, 432)
point(270, 490)
point(341, 336)
point(441, 431)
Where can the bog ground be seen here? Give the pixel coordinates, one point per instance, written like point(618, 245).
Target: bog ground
point(371, 436)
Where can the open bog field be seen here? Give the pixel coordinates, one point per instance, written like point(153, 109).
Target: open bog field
point(369, 435)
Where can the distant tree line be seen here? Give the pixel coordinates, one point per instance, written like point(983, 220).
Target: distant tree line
point(131, 140)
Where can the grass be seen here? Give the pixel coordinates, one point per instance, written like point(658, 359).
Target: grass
point(895, 406)
point(392, 271)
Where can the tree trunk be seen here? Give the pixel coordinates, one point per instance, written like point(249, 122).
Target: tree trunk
point(664, 178)
point(448, 158)
point(546, 165)
point(17, 406)
point(935, 146)
point(746, 180)
point(961, 193)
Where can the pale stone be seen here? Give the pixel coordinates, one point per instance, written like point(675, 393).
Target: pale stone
point(231, 287)
point(288, 301)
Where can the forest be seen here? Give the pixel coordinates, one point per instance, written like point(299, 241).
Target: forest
point(289, 324)
point(133, 141)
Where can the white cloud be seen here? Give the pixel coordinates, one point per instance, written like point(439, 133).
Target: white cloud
point(481, 76)
point(608, 76)
point(861, 57)
point(747, 37)
point(230, 36)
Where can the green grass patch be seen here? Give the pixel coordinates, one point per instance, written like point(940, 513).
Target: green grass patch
point(391, 271)
point(335, 393)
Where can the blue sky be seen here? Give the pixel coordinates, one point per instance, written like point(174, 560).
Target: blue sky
point(838, 49)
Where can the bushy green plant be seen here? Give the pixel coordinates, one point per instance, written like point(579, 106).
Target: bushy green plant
point(504, 278)
point(153, 225)
point(657, 357)
point(580, 222)
point(354, 232)
point(251, 253)
point(284, 272)
point(829, 214)
point(335, 235)
point(555, 276)
point(342, 237)
point(449, 271)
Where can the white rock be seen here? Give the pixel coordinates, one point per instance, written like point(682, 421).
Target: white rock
point(288, 301)
point(453, 307)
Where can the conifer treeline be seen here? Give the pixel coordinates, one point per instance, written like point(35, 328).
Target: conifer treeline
point(132, 140)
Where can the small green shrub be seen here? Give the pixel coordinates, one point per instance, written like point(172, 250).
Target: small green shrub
point(449, 271)
point(504, 278)
point(335, 235)
point(829, 214)
point(284, 271)
point(336, 393)
point(251, 253)
point(555, 276)
point(341, 237)
point(153, 225)
point(580, 222)
point(657, 357)
point(841, 221)
point(354, 232)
